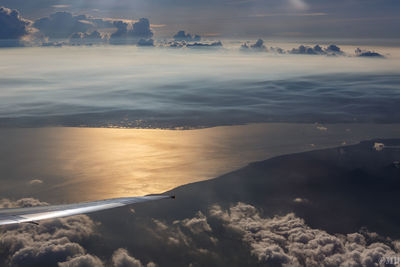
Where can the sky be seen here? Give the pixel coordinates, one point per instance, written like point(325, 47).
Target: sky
point(305, 19)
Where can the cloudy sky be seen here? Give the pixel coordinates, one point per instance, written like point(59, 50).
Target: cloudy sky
point(239, 18)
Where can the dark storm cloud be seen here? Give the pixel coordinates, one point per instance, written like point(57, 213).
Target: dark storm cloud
point(139, 29)
point(129, 34)
point(122, 29)
point(62, 25)
point(182, 36)
point(142, 29)
point(12, 27)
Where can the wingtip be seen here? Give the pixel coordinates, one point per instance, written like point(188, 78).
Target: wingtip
point(173, 197)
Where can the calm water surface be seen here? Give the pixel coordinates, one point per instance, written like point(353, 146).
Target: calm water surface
point(79, 164)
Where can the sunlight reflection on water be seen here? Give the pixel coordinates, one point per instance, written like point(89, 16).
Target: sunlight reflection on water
point(78, 164)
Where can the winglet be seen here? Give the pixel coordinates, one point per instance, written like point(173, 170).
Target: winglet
point(173, 197)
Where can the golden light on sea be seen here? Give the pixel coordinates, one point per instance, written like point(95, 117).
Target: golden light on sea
point(80, 164)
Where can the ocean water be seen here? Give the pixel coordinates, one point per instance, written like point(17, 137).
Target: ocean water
point(165, 88)
point(71, 164)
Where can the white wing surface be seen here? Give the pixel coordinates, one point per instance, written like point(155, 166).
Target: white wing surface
point(33, 214)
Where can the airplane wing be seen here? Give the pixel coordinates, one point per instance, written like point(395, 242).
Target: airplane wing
point(33, 214)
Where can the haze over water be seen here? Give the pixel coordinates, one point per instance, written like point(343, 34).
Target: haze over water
point(160, 87)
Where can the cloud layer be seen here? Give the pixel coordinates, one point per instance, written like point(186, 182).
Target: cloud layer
point(236, 235)
point(54, 242)
point(287, 240)
point(50, 243)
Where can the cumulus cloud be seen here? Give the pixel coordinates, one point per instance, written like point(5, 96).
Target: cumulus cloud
point(235, 236)
point(182, 36)
point(331, 50)
point(176, 44)
point(145, 42)
point(277, 50)
point(12, 27)
point(82, 261)
point(128, 34)
point(334, 49)
point(21, 203)
point(257, 46)
point(62, 24)
point(58, 241)
point(288, 241)
point(182, 44)
point(142, 28)
point(194, 234)
point(121, 258)
point(197, 224)
point(205, 45)
point(48, 244)
point(366, 53)
point(81, 38)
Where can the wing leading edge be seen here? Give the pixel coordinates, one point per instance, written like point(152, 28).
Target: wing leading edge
point(32, 214)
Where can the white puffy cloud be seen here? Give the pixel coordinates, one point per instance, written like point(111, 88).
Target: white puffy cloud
point(35, 182)
point(21, 203)
point(121, 258)
point(82, 261)
point(197, 224)
point(289, 241)
point(257, 46)
point(47, 244)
